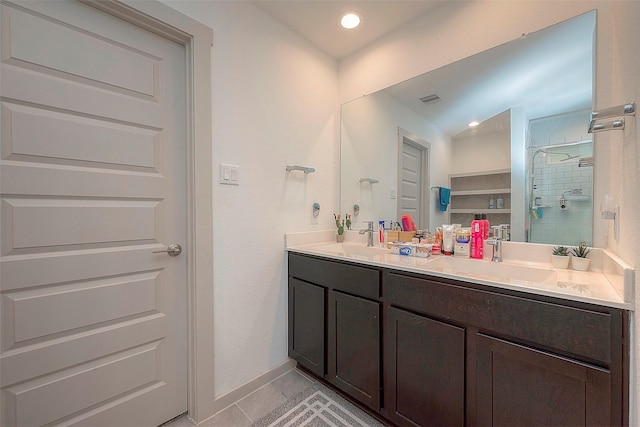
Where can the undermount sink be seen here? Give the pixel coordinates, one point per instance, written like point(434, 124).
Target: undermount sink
point(350, 249)
point(492, 271)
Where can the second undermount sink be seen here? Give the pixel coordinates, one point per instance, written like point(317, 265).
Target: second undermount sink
point(492, 271)
point(350, 249)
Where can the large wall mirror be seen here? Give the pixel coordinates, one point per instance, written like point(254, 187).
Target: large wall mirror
point(528, 162)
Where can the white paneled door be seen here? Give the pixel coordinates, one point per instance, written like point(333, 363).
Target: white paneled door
point(93, 182)
point(410, 196)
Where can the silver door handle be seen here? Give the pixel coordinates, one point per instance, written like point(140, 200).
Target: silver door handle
point(173, 250)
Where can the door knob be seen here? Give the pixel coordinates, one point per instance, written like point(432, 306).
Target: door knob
point(173, 250)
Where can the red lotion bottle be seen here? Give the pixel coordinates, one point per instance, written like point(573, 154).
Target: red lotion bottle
point(477, 238)
point(485, 224)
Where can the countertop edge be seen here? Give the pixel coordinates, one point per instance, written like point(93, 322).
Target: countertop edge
point(307, 250)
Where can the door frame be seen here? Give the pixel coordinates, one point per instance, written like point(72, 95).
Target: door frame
point(425, 197)
point(197, 39)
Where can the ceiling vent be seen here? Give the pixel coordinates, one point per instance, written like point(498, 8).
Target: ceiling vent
point(430, 99)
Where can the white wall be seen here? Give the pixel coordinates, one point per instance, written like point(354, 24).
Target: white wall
point(449, 32)
point(623, 150)
point(485, 151)
point(459, 29)
point(369, 138)
point(274, 104)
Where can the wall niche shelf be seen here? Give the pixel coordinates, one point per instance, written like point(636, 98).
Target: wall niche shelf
point(470, 194)
point(481, 211)
point(479, 192)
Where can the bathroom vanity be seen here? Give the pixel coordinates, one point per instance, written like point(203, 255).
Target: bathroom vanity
point(426, 348)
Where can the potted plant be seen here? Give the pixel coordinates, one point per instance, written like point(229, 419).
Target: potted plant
point(580, 261)
point(340, 227)
point(560, 257)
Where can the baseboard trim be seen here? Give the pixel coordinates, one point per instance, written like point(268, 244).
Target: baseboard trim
point(246, 389)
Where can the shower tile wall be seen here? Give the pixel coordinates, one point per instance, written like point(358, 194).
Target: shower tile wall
point(561, 227)
point(557, 226)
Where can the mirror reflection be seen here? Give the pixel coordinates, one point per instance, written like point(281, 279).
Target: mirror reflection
point(528, 162)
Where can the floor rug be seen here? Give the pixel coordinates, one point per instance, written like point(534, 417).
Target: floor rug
point(318, 406)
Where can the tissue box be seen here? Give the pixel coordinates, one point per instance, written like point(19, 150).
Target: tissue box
point(401, 248)
point(422, 250)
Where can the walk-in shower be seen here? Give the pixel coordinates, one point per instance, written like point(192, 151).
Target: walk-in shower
point(560, 193)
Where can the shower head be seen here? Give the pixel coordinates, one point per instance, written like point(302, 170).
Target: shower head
point(569, 157)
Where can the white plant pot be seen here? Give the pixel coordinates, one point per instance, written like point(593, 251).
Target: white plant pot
point(559, 261)
point(580, 264)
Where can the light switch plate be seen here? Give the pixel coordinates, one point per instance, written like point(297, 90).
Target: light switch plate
point(229, 174)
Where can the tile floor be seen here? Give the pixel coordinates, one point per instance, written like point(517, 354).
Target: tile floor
point(256, 405)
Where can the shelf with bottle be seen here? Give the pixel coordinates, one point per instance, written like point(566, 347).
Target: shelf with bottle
point(487, 192)
point(481, 181)
point(481, 192)
point(481, 211)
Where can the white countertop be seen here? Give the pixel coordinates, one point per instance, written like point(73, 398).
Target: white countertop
point(605, 284)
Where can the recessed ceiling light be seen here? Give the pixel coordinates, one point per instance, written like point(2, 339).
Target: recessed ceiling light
point(473, 124)
point(350, 20)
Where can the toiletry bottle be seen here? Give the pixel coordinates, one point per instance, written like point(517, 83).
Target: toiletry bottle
point(499, 203)
point(477, 241)
point(473, 241)
point(447, 239)
point(437, 244)
point(381, 236)
point(405, 223)
point(485, 226)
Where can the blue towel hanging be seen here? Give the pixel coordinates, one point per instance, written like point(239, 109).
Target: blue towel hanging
point(444, 195)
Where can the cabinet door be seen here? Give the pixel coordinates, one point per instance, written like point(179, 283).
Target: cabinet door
point(306, 325)
point(424, 372)
point(354, 347)
point(517, 385)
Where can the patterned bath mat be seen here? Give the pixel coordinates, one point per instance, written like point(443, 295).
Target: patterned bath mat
point(318, 406)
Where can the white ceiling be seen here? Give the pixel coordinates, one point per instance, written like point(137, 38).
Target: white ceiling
point(319, 21)
point(547, 72)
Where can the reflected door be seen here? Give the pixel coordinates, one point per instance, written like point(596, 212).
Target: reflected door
point(412, 182)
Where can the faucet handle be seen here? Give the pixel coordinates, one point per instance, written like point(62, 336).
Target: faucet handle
point(369, 224)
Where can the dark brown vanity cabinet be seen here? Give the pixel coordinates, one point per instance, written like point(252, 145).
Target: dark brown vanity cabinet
point(500, 358)
point(423, 350)
point(307, 325)
point(354, 347)
point(558, 391)
point(424, 370)
point(334, 324)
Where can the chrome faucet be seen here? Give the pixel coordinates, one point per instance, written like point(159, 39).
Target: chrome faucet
point(368, 230)
point(496, 242)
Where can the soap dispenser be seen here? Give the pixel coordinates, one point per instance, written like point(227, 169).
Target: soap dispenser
point(537, 200)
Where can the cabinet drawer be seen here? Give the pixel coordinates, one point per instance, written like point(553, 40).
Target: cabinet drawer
point(578, 332)
point(352, 279)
